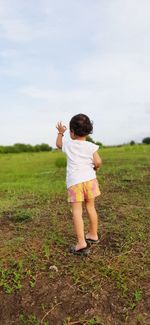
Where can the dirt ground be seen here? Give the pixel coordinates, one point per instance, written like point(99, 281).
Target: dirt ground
point(68, 289)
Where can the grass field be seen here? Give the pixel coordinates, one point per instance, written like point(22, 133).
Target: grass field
point(40, 282)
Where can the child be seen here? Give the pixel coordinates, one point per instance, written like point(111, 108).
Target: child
point(82, 162)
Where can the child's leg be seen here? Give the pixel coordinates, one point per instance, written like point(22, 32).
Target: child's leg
point(93, 219)
point(78, 225)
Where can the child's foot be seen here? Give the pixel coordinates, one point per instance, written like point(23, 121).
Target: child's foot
point(90, 236)
point(80, 245)
point(79, 248)
point(91, 239)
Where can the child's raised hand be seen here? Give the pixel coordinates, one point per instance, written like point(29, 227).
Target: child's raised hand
point(61, 128)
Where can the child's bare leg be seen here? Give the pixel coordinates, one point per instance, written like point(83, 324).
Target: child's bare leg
point(93, 220)
point(78, 225)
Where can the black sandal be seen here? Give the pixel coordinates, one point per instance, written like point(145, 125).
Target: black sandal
point(83, 251)
point(92, 241)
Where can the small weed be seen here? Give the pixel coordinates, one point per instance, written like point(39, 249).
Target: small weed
point(137, 296)
point(121, 283)
point(46, 251)
point(139, 318)
point(34, 256)
point(32, 279)
point(12, 276)
point(21, 215)
point(32, 282)
point(30, 320)
point(132, 306)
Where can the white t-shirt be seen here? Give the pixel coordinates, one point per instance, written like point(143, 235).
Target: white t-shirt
point(79, 161)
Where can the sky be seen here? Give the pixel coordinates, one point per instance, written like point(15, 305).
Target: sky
point(60, 58)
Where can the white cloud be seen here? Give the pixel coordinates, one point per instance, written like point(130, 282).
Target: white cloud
point(8, 53)
point(120, 76)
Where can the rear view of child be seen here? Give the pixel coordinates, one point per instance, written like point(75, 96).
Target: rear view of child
point(82, 162)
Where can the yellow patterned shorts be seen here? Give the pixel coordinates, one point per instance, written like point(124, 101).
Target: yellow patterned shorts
point(83, 191)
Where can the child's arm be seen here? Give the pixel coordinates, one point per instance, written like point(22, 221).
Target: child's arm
point(61, 130)
point(97, 160)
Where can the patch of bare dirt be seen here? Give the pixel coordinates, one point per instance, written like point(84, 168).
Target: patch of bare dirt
point(54, 302)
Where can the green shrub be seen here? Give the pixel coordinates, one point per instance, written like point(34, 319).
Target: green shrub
point(60, 162)
point(146, 140)
point(21, 215)
point(132, 143)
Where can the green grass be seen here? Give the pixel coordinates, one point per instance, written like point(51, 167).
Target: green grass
point(36, 230)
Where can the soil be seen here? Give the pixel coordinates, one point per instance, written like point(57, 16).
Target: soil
point(56, 299)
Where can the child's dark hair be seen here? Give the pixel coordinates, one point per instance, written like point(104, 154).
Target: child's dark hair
point(81, 125)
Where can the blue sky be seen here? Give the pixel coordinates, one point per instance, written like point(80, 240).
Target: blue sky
point(60, 58)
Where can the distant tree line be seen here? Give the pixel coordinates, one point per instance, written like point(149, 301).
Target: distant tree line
point(21, 147)
point(144, 141)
